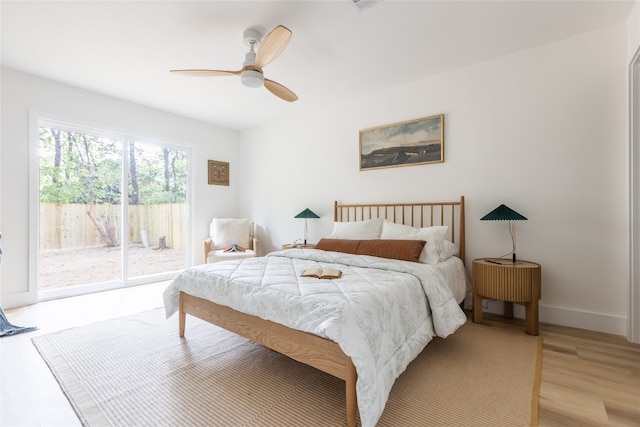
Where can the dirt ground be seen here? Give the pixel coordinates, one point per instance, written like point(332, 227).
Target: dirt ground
point(69, 267)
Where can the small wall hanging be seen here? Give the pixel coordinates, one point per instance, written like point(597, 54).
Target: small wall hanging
point(218, 173)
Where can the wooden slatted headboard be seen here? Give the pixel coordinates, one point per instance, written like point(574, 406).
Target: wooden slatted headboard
point(422, 214)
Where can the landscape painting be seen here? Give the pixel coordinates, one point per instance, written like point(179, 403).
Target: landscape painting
point(414, 142)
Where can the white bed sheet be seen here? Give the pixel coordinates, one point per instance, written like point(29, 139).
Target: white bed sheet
point(382, 331)
point(457, 277)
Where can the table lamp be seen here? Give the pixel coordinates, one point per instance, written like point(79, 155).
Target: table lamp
point(307, 213)
point(505, 213)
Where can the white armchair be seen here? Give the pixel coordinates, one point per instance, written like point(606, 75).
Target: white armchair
point(224, 232)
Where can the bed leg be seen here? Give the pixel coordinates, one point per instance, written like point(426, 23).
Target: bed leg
point(352, 402)
point(181, 323)
point(182, 318)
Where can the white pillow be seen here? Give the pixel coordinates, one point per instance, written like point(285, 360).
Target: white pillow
point(447, 250)
point(358, 230)
point(432, 235)
point(226, 231)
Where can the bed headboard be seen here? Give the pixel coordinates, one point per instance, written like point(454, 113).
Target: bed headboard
point(422, 214)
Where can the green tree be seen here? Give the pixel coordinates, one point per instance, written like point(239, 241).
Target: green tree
point(81, 168)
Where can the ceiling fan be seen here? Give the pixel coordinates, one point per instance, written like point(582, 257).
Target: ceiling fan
point(251, 74)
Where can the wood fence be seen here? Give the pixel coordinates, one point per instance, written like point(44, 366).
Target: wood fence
point(70, 225)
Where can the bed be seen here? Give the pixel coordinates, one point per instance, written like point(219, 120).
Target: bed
point(319, 322)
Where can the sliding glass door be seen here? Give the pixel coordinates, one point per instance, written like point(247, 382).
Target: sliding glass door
point(80, 208)
point(112, 210)
point(157, 209)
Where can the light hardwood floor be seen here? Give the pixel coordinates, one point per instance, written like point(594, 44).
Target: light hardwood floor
point(588, 378)
point(29, 394)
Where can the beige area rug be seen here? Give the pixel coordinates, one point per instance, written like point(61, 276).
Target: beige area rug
point(136, 371)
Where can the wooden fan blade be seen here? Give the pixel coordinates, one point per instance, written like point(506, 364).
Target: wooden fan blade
point(206, 73)
point(280, 91)
point(272, 45)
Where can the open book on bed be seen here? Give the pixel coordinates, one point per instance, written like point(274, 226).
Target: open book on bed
point(322, 273)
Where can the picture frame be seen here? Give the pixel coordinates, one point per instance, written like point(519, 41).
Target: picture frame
point(409, 143)
point(218, 172)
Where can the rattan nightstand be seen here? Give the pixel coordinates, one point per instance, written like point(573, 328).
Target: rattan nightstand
point(501, 279)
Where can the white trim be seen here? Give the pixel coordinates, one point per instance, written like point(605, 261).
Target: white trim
point(191, 186)
point(124, 210)
point(600, 322)
point(72, 291)
point(34, 203)
point(563, 316)
point(633, 324)
point(16, 299)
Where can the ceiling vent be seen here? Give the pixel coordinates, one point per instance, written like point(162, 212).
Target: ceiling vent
point(362, 5)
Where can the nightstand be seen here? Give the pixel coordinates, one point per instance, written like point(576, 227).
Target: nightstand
point(298, 246)
point(501, 279)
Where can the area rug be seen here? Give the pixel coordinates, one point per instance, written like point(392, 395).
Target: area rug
point(137, 371)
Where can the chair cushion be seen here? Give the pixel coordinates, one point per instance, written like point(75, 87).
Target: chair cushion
point(226, 231)
point(221, 255)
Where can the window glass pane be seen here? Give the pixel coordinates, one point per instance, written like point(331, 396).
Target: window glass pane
point(157, 209)
point(79, 222)
point(82, 237)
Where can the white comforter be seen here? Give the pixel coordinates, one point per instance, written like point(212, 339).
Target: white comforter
point(381, 312)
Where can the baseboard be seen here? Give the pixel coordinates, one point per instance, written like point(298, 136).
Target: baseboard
point(600, 322)
point(562, 316)
point(18, 299)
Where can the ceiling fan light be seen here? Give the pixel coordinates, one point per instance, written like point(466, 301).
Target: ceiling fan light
point(252, 78)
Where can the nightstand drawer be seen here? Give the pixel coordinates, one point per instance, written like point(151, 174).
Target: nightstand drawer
point(507, 283)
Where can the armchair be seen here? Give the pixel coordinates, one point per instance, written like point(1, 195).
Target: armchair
point(223, 232)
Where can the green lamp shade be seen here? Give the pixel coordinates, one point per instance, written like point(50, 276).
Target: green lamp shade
point(306, 214)
point(503, 213)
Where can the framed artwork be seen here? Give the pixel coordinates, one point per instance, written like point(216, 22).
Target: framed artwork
point(414, 142)
point(218, 173)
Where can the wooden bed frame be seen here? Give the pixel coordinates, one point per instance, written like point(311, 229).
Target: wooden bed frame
point(310, 349)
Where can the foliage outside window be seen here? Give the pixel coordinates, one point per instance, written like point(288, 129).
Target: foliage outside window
point(85, 169)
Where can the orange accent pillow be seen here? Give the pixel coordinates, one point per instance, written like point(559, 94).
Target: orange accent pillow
point(404, 250)
point(339, 245)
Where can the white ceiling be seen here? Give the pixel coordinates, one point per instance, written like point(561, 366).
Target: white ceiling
point(125, 48)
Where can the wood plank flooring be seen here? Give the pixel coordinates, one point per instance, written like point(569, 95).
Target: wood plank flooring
point(588, 378)
point(29, 394)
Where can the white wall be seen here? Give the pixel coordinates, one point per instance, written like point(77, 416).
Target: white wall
point(23, 93)
point(633, 46)
point(633, 31)
point(543, 131)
